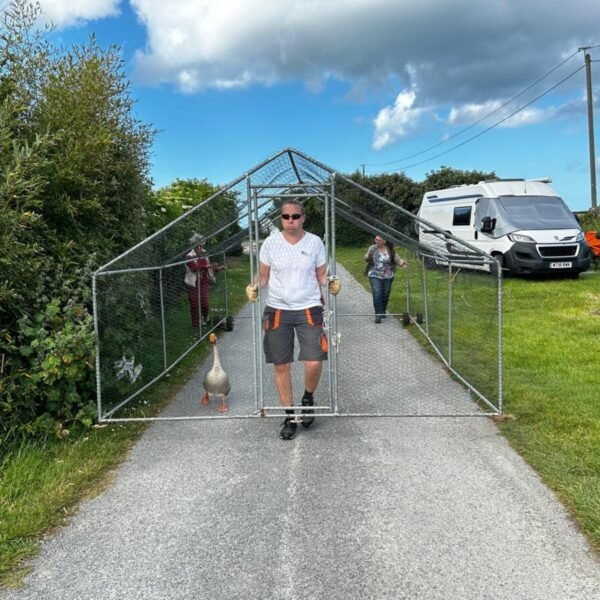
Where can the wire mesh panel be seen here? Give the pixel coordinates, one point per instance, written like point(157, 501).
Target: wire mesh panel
point(436, 349)
point(147, 320)
point(441, 336)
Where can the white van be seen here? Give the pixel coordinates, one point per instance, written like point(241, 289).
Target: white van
point(521, 222)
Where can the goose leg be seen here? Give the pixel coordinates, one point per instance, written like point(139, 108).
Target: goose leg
point(205, 399)
point(223, 407)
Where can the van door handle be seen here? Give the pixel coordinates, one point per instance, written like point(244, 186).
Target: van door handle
point(476, 234)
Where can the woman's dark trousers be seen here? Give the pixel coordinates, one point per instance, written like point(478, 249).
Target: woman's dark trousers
point(381, 294)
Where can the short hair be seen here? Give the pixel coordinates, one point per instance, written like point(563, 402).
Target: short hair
point(293, 203)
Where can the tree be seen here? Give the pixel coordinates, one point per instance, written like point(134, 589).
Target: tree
point(446, 177)
point(73, 191)
point(98, 166)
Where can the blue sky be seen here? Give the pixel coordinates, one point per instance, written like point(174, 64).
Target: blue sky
point(353, 82)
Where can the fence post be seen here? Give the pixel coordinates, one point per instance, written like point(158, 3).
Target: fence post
point(500, 342)
point(407, 270)
point(225, 285)
point(449, 313)
point(253, 277)
point(162, 316)
point(425, 299)
point(334, 341)
point(97, 333)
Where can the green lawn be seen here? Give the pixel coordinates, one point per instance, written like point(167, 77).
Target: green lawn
point(552, 381)
point(551, 388)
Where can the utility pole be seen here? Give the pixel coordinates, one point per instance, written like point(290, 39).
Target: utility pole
point(590, 111)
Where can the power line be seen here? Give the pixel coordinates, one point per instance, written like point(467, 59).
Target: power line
point(479, 120)
point(491, 126)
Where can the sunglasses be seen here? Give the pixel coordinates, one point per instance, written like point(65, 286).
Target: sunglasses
point(294, 217)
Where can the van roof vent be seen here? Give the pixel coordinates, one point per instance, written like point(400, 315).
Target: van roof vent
point(498, 179)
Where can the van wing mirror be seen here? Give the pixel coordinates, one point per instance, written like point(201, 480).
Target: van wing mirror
point(488, 224)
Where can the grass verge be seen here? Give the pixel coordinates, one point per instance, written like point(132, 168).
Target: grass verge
point(42, 482)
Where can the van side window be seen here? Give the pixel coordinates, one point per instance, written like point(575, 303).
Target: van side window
point(462, 215)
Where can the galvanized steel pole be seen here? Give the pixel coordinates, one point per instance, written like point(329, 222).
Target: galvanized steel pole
point(590, 113)
point(97, 334)
point(162, 317)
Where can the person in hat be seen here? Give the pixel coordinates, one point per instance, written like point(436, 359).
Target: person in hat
point(199, 274)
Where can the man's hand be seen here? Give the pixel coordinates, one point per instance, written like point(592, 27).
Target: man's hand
point(334, 286)
point(252, 292)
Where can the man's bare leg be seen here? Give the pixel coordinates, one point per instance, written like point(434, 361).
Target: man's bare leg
point(312, 374)
point(283, 381)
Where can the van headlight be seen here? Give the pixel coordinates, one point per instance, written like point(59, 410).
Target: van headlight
point(579, 237)
point(519, 237)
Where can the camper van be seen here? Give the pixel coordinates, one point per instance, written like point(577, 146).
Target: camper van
point(523, 223)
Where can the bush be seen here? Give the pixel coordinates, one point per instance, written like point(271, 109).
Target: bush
point(590, 221)
point(74, 188)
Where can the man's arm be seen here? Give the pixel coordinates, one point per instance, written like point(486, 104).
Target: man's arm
point(321, 274)
point(264, 272)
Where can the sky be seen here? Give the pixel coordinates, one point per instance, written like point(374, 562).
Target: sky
point(373, 85)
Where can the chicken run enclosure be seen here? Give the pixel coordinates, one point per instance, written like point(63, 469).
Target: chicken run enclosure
point(439, 354)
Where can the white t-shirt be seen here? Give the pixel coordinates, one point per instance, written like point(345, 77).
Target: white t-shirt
point(293, 281)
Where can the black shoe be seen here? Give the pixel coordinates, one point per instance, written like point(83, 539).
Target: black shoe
point(377, 319)
point(308, 421)
point(288, 429)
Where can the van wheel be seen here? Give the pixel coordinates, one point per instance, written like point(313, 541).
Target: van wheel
point(429, 263)
point(494, 268)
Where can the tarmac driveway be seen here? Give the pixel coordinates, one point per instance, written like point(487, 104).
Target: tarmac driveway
point(354, 508)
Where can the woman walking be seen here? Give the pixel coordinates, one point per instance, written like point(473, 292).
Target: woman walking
point(382, 262)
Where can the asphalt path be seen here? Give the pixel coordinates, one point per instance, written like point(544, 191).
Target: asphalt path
point(366, 508)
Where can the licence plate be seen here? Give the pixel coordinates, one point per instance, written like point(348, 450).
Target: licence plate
point(561, 265)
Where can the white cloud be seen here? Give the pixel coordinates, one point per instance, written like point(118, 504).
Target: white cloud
point(492, 112)
point(463, 53)
point(64, 13)
point(453, 51)
point(397, 121)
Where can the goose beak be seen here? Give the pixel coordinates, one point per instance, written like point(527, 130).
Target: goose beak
point(212, 338)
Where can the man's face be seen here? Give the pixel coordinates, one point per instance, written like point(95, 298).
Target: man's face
point(292, 217)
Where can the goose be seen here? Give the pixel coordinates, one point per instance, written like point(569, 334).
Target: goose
point(216, 381)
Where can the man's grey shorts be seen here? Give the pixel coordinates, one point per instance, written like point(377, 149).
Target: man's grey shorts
point(279, 327)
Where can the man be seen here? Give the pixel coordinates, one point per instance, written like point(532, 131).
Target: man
point(294, 266)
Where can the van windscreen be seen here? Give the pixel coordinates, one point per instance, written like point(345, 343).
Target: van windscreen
point(537, 212)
